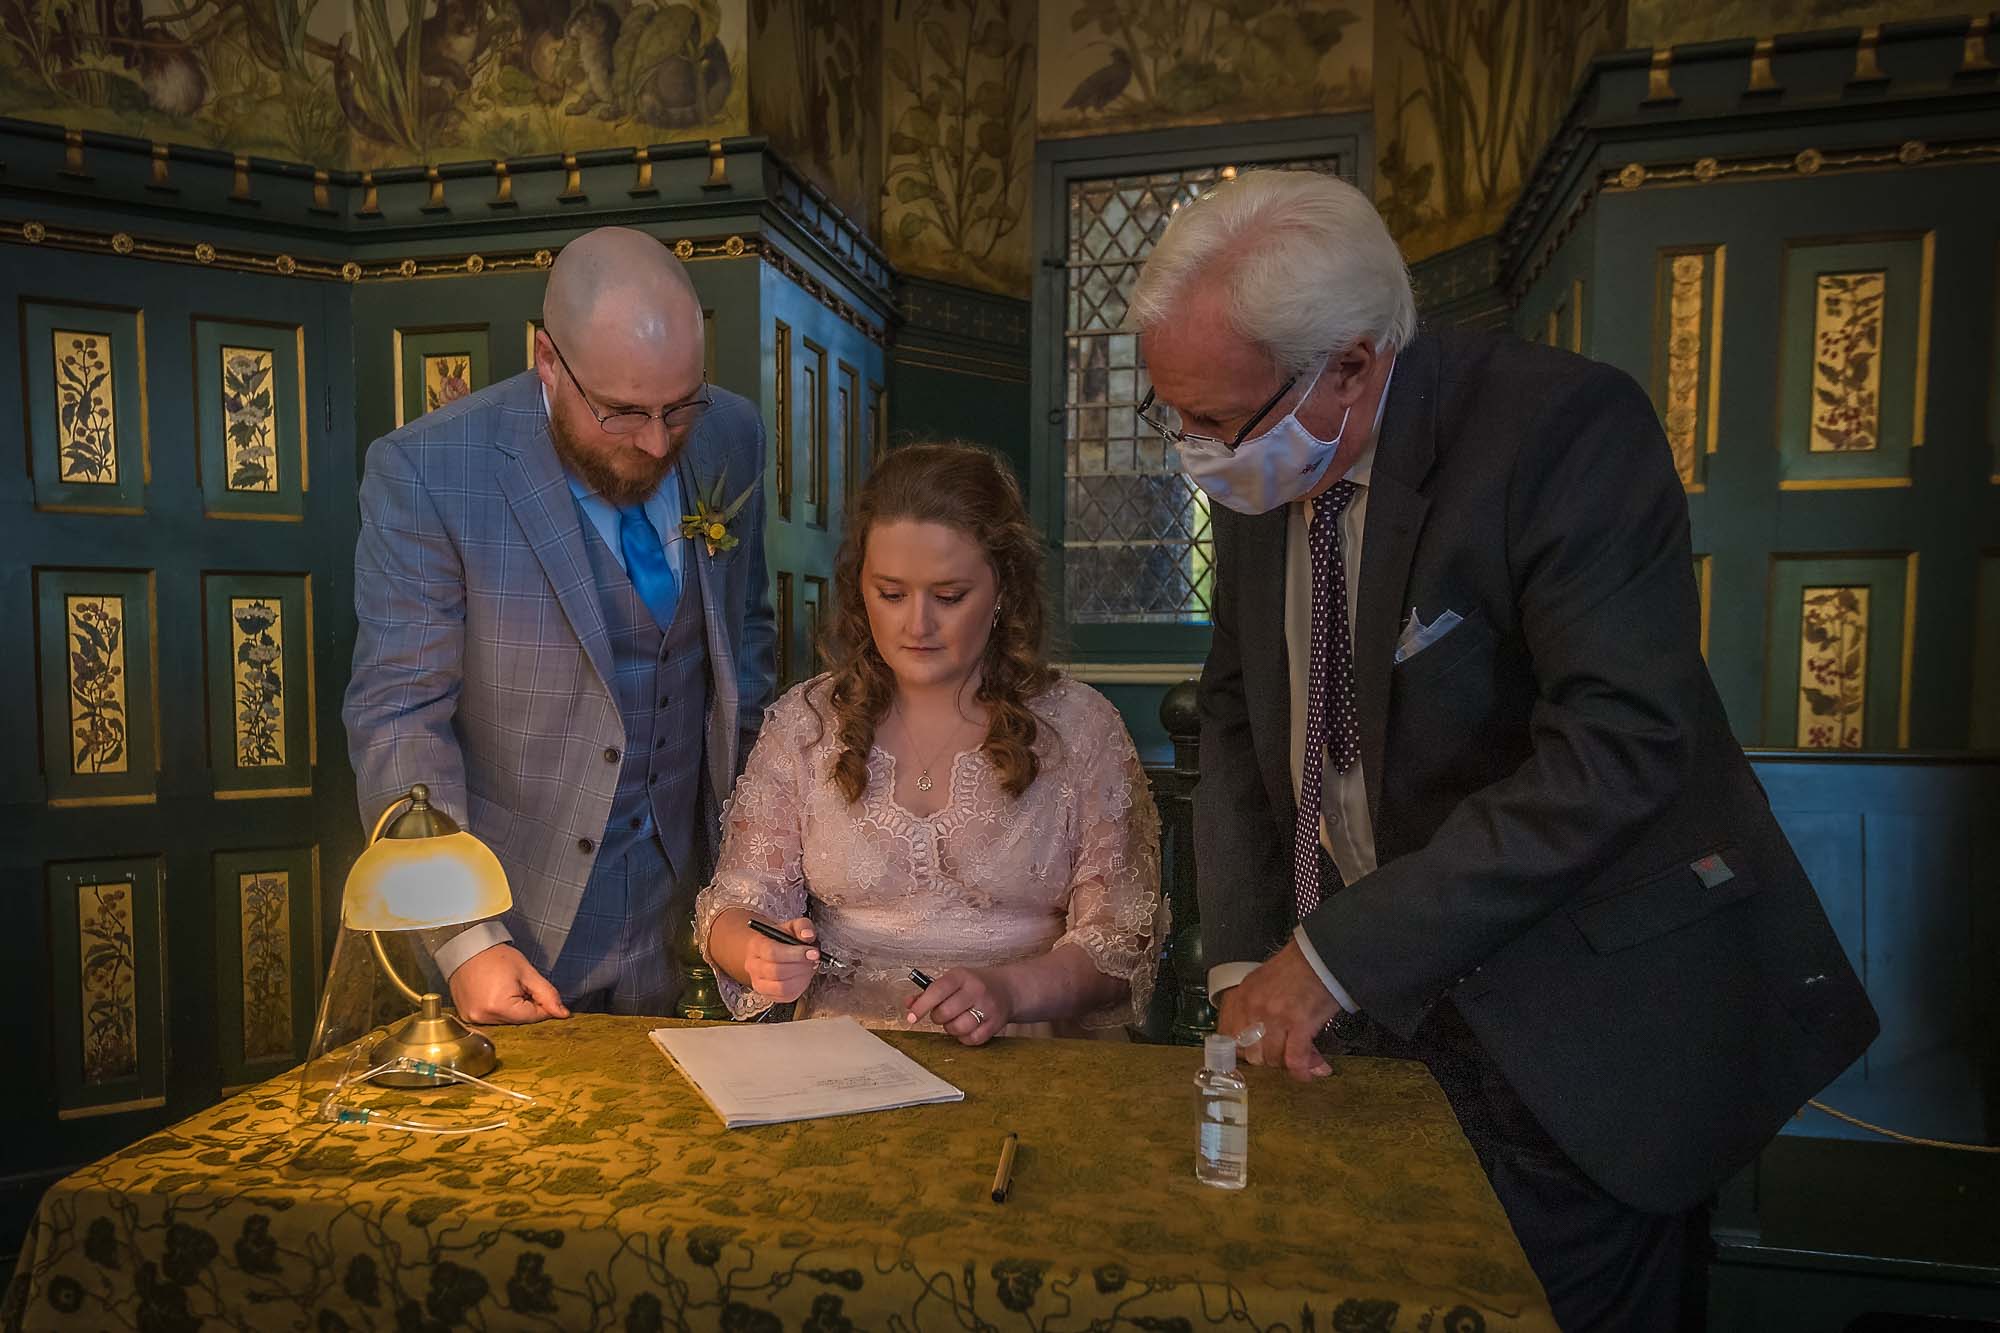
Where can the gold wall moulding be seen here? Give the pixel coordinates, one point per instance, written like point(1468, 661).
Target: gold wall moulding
point(471, 264)
point(1805, 162)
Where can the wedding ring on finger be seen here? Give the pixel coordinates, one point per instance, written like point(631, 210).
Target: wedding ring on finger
point(977, 1016)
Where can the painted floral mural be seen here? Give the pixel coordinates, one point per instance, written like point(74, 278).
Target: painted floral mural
point(1833, 668)
point(1466, 94)
point(369, 83)
point(1140, 64)
point(110, 982)
point(86, 440)
point(817, 94)
point(446, 380)
point(1847, 362)
point(97, 683)
point(250, 423)
point(267, 964)
point(257, 630)
point(959, 106)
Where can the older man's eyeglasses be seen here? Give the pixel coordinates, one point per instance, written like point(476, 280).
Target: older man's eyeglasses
point(673, 416)
point(1167, 420)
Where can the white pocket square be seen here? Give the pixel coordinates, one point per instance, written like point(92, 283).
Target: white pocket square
point(1417, 636)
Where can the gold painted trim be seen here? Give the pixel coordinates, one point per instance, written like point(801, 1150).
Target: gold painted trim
point(1715, 353)
point(78, 802)
point(1576, 315)
point(781, 415)
point(1808, 162)
point(261, 793)
point(1845, 483)
point(312, 683)
point(818, 478)
point(1659, 77)
point(1975, 60)
point(902, 358)
point(1909, 653)
point(1868, 69)
point(1707, 591)
point(1918, 413)
point(396, 358)
point(153, 654)
point(470, 264)
point(305, 472)
point(256, 518)
point(110, 1108)
point(1761, 79)
point(1130, 673)
point(145, 408)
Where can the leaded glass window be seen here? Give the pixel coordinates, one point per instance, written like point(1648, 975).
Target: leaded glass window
point(1135, 530)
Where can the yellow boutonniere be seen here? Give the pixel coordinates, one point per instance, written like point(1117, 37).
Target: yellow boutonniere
point(709, 523)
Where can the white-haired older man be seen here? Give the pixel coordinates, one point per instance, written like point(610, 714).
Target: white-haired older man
point(1465, 784)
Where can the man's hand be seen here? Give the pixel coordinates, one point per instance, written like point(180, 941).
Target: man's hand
point(1293, 1004)
point(498, 985)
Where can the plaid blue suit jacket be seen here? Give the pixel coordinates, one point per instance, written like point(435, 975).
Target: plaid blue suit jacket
point(481, 658)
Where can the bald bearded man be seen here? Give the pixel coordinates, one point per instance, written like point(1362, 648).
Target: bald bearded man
point(576, 684)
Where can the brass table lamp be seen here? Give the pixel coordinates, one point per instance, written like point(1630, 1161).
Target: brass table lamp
point(421, 872)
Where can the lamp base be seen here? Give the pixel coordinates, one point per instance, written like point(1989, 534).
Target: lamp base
point(433, 1036)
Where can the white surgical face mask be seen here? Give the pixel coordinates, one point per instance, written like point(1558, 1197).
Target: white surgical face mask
point(1267, 471)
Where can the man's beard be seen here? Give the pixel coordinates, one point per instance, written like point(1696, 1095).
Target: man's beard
point(619, 488)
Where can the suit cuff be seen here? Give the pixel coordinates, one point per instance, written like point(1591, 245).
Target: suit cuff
point(1333, 988)
point(1224, 975)
point(475, 938)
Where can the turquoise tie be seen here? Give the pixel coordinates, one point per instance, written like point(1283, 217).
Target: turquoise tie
point(646, 564)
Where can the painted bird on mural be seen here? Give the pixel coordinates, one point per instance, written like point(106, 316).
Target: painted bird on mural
point(1102, 88)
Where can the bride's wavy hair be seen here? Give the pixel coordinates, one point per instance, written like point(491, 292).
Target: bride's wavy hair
point(973, 491)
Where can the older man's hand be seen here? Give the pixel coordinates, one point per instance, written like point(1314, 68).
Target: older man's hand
point(1293, 1004)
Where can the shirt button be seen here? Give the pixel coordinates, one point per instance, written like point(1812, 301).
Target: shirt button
point(660, 743)
point(637, 821)
point(610, 756)
point(651, 778)
point(585, 845)
point(663, 701)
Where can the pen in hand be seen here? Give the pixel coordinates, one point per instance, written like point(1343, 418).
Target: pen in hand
point(827, 962)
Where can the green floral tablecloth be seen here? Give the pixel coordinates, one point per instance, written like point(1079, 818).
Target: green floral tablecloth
point(620, 1203)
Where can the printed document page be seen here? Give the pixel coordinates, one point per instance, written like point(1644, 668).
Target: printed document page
point(767, 1073)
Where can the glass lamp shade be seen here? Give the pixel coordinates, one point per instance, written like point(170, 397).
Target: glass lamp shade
point(417, 883)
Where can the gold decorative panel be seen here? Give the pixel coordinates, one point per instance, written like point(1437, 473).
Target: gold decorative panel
point(1687, 347)
point(447, 379)
point(249, 419)
point(1833, 667)
point(781, 417)
point(97, 713)
point(86, 422)
point(1847, 361)
point(257, 643)
point(266, 933)
point(110, 990)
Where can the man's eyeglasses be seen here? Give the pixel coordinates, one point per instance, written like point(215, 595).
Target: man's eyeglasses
point(674, 416)
point(1167, 420)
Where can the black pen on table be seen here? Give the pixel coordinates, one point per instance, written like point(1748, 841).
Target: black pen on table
point(1003, 1179)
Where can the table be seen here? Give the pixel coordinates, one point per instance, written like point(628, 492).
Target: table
point(619, 1202)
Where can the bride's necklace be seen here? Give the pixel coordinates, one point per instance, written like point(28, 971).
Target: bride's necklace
point(924, 773)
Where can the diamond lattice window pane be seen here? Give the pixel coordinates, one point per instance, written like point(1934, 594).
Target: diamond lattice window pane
point(1135, 529)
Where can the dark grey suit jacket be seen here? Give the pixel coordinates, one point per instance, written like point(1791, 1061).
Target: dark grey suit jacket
point(1541, 780)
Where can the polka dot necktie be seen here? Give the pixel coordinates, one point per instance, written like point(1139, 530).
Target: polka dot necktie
point(1331, 726)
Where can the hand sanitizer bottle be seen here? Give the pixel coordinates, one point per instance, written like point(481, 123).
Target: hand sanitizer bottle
point(1222, 1146)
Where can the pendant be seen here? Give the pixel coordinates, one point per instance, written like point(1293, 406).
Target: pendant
point(924, 780)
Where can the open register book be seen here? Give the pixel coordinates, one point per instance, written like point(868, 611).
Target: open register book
point(768, 1073)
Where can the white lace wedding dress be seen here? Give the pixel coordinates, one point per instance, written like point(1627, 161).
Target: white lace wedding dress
point(986, 879)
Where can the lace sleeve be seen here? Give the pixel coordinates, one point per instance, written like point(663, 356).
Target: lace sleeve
point(763, 836)
point(1117, 915)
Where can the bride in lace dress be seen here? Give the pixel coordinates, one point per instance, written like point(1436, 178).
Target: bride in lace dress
point(941, 799)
